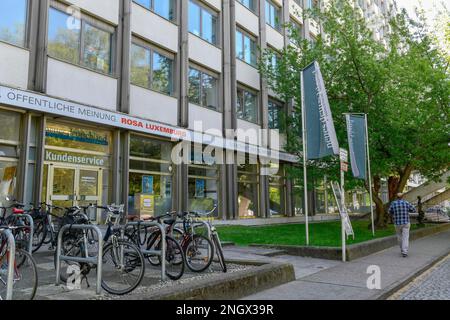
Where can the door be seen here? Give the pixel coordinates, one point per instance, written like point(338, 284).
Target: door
point(69, 186)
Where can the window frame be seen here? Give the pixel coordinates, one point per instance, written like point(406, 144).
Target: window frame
point(154, 49)
point(281, 107)
point(213, 13)
point(252, 38)
point(244, 89)
point(96, 23)
point(152, 10)
point(279, 16)
point(216, 76)
point(27, 27)
point(255, 6)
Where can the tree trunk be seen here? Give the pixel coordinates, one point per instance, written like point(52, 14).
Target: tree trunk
point(380, 210)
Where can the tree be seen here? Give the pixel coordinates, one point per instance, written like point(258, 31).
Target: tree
point(402, 85)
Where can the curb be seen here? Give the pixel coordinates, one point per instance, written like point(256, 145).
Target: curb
point(232, 286)
point(408, 279)
point(354, 251)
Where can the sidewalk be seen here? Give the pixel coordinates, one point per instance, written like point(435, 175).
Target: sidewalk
point(338, 280)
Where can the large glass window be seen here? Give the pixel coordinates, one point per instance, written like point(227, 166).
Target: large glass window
point(248, 190)
point(275, 109)
point(13, 21)
point(150, 185)
point(250, 4)
point(277, 191)
point(79, 41)
point(273, 15)
point(246, 48)
point(203, 188)
point(151, 69)
point(202, 22)
point(164, 8)
point(203, 89)
point(10, 126)
point(247, 105)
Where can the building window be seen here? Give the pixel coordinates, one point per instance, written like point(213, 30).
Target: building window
point(313, 4)
point(275, 113)
point(299, 2)
point(202, 22)
point(10, 126)
point(163, 8)
point(151, 69)
point(273, 15)
point(13, 21)
point(248, 190)
point(296, 30)
point(203, 89)
point(249, 4)
point(277, 191)
point(246, 48)
point(150, 184)
point(81, 42)
point(247, 105)
point(274, 58)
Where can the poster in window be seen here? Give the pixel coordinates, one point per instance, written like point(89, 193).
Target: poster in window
point(199, 188)
point(147, 184)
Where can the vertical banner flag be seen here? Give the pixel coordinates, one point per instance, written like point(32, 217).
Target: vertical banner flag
point(356, 131)
point(321, 136)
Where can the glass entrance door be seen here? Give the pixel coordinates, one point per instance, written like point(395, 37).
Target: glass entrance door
point(75, 187)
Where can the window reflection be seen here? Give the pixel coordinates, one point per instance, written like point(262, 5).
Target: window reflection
point(13, 17)
point(79, 42)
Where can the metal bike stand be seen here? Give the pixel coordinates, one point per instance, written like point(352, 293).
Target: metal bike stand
point(11, 257)
point(31, 227)
point(94, 260)
point(162, 252)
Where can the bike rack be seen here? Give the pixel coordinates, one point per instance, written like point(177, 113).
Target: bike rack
point(31, 227)
point(162, 252)
point(11, 257)
point(93, 260)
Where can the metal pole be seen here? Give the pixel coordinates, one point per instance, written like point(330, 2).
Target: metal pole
point(163, 253)
point(342, 219)
point(370, 176)
point(305, 182)
point(325, 183)
point(31, 228)
point(11, 262)
point(99, 259)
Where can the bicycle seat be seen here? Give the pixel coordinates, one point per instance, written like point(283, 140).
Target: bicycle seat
point(169, 221)
point(18, 211)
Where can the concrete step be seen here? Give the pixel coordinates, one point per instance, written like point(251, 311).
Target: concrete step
point(272, 253)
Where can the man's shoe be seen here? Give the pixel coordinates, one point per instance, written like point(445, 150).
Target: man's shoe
point(404, 255)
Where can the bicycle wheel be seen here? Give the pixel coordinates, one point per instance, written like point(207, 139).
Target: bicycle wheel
point(25, 276)
point(174, 259)
point(123, 267)
point(39, 234)
point(219, 250)
point(199, 253)
point(154, 243)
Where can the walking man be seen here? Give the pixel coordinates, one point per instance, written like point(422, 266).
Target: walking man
point(400, 210)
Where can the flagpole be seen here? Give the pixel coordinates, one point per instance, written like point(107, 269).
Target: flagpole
point(305, 183)
point(370, 175)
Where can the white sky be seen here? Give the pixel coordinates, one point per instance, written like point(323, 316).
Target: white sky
point(432, 7)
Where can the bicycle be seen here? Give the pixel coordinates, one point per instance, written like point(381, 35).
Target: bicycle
point(198, 249)
point(174, 258)
point(214, 237)
point(123, 262)
point(25, 280)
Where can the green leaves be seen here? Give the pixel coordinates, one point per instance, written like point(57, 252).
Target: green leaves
point(402, 83)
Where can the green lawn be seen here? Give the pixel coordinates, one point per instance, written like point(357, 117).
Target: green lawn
point(321, 234)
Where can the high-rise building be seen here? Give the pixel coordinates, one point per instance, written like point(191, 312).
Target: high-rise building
point(92, 91)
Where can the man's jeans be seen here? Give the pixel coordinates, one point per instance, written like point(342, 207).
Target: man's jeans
point(403, 237)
